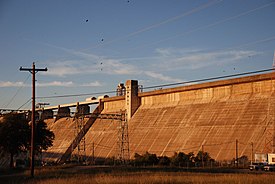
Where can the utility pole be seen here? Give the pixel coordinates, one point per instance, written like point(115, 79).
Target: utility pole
point(202, 155)
point(252, 152)
point(237, 160)
point(93, 154)
point(33, 71)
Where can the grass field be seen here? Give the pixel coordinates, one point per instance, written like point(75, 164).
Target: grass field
point(82, 174)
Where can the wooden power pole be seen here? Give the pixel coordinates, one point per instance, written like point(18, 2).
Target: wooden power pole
point(252, 152)
point(237, 155)
point(202, 155)
point(33, 71)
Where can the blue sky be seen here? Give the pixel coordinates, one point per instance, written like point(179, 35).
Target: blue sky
point(90, 46)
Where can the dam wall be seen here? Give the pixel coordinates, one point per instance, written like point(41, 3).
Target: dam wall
point(114, 104)
point(215, 117)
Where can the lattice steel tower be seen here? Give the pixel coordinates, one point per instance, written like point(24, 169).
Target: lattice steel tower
point(79, 123)
point(123, 139)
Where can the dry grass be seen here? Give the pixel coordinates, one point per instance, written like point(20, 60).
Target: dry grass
point(188, 178)
point(72, 175)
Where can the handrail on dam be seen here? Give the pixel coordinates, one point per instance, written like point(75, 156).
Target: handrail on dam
point(210, 79)
point(89, 102)
point(2, 111)
point(144, 93)
point(114, 116)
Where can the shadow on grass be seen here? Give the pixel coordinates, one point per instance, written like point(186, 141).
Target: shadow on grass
point(71, 171)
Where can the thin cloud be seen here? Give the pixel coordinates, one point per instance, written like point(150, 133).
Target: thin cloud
point(105, 66)
point(89, 66)
point(62, 69)
point(165, 59)
point(92, 84)
point(112, 66)
point(172, 52)
point(51, 84)
point(56, 83)
point(161, 77)
point(163, 22)
point(71, 67)
point(11, 84)
point(175, 59)
point(78, 63)
point(21, 84)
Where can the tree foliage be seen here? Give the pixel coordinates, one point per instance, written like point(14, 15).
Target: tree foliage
point(146, 159)
point(14, 134)
point(202, 156)
point(164, 161)
point(178, 159)
point(181, 159)
point(43, 137)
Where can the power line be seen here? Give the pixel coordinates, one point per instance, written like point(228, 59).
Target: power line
point(252, 43)
point(230, 48)
point(209, 25)
point(163, 85)
point(209, 79)
point(17, 91)
point(171, 19)
point(218, 144)
point(87, 145)
point(190, 12)
point(196, 29)
point(75, 95)
point(24, 104)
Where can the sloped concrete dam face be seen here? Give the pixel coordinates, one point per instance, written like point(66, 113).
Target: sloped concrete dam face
point(216, 116)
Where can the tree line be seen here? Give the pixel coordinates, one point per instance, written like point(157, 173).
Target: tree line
point(15, 135)
point(15, 138)
point(178, 159)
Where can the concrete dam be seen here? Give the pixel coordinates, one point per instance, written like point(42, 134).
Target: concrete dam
point(215, 117)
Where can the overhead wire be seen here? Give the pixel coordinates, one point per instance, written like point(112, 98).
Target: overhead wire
point(223, 21)
point(172, 19)
point(24, 104)
point(203, 27)
point(209, 79)
point(198, 147)
point(252, 43)
point(209, 4)
point(244, 144)
point(86, 145)
point(224, 49)
point(163, 85)
point(218, 144)
point(190, 12)
point(209, 25)
point(17, 91)
point(75, 95)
